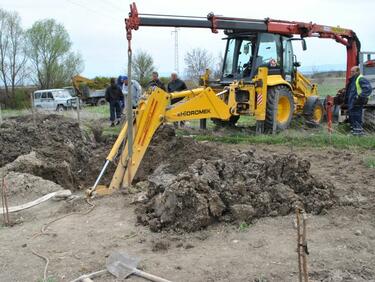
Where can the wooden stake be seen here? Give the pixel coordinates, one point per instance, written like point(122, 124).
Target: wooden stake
point(299, 245)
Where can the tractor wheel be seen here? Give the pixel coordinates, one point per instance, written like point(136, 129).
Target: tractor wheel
point(314, 111)
point(279, 99)
point(226, 123)
point(369, 119)
point(101, 102)
point(60, 108)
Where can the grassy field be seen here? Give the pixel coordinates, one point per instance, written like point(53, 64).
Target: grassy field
point(329, 86)
point(297, 136)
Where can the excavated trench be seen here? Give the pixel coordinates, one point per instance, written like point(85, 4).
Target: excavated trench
point(188, 185)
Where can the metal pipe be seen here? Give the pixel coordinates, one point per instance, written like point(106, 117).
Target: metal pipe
point(130, 112)
point(100, 176)
point(186, 93)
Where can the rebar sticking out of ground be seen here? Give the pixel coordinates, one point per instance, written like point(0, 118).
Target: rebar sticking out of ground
point(4, 201)
point(302, 250)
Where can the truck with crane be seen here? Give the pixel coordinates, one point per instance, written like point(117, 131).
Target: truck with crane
point(259, 78)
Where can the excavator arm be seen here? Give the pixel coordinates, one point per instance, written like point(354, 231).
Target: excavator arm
point(151, 113)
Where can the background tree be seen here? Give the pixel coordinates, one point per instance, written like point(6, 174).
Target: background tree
point(143, 66)
point(218, 66)
point(197, 61)
point(49, 51)
point(12, 52)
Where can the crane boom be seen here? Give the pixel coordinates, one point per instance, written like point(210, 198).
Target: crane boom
point(214, 22)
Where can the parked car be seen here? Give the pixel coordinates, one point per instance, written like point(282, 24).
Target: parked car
point(53, 99)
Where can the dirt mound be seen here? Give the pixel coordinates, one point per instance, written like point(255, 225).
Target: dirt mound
point(24, 187)
point(240, 187)
point(175, 153)
point(61, 150)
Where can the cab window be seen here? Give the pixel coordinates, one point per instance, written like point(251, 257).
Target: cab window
point(269, 51)
point(287, 57)
point(228, 64)
point(49, 95)
point(244, 59)
point(44, 95)
point(37, 95)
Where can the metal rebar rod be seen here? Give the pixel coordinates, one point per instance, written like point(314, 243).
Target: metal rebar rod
point(304, 242)
point(130, 113)
point(299, 245)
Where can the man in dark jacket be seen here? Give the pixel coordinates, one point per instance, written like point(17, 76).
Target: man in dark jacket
point(175, 85)
point(114, 95)
point(155, 81)
point(357, 92)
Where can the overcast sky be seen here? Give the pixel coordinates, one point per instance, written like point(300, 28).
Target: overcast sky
point(96, 27)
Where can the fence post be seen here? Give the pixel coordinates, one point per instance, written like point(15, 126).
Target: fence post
point(32, 107)
point(78, 109)
point(203, 123)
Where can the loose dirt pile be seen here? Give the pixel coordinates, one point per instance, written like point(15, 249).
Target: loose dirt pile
point(53, 148)
point(236, 187)
point(175, 153)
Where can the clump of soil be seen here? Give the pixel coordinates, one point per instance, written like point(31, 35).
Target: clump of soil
point(60, 149)
point(175, 153)
point(239, 187)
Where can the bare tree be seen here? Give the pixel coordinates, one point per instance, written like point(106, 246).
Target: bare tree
point(218, 66)
point(143, 66)
point(197, 61)
point(12, 51)
point(49, 52)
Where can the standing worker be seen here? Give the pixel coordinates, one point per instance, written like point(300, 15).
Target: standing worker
point(357, 92)
point(155, 81)
point(114, 95)
point(176, 85)
point(120, 82)
point(136, 91)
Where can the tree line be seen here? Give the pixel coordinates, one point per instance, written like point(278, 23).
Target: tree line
point(197, 60)
point(40, 55)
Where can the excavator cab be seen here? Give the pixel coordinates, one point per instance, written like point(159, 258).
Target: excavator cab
point(245, 53)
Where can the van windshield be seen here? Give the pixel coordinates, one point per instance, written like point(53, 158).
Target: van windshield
point(61, 94)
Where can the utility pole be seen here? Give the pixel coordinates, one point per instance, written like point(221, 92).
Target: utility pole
point(176, 65)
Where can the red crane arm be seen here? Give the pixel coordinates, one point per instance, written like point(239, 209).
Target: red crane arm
point(344, 36)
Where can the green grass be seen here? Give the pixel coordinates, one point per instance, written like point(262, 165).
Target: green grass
point(369, 162)
point(330, 86)
point(100, 110)
point(295, 138)
point(243, 227)
point(14, 113)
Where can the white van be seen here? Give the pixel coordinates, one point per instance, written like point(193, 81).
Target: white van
point(53, 99)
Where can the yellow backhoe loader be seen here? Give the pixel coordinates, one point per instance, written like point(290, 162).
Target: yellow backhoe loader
point(259, 78)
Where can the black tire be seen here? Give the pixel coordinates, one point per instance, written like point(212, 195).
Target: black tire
point(60, 108)
point(313, 110)
point(285, 96)
point(369, 119)
point(101, 102)
point(226, 123)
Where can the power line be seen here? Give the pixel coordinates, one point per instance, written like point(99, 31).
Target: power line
point(87, 8)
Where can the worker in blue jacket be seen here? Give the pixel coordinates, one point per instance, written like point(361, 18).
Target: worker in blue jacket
point(358, 90)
